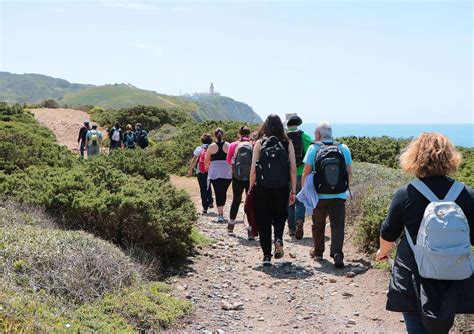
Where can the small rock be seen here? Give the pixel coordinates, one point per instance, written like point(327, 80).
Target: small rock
point(238, 306)
point(292, 255)
point(347, 294)
point(227, 305)
point(332, 280)
point(356, 314)
point(351, 322)
point(350, 274)
point(261, 318)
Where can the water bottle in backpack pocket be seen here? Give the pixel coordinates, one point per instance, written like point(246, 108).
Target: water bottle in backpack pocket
point(242, 162)
point(443, 247)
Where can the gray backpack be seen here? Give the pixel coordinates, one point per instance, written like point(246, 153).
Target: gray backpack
point(443, 247)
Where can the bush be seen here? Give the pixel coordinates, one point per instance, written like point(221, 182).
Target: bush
point(176, 153)
point(15, 114)
point(50, 103)
point(150, 117)
point(127, 210)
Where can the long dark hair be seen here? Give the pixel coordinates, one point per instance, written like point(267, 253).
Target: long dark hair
point(273, 126)
point(219, 133)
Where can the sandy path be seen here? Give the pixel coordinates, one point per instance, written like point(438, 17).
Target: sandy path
point(65, 123)
point(296, 295)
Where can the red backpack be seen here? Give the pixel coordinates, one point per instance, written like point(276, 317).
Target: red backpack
point(202, 158)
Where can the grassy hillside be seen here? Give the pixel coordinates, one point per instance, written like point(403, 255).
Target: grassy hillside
point(33, 88)
point(224, 108)
point(125, 96)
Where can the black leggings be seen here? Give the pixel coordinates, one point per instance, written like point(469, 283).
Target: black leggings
point(238, 188)
point(271, 209)
point(206, 192)
point(220, 190)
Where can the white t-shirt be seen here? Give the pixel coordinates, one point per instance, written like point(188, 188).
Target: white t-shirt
point(197, 153)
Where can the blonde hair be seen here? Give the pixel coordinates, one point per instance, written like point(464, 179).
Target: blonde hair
point(129, 127)
point(431, 154)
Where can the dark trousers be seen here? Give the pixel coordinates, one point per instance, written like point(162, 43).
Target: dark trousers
point(115, 145)
point(238, 188)
point(82, 147)
point(336, 210)
point(271, 209)
point(413, 323)
point(206, 192)
point(220, 190)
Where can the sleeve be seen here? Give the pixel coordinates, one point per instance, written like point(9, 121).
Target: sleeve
point(309, 156)
point(88, 135)
point(307, 141)
point(393, 226)
point(197, 151)
point(347, 155)
point(470, 215)
point(256, 154)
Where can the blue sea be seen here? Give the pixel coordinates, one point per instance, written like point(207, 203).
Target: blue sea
point(460, 134)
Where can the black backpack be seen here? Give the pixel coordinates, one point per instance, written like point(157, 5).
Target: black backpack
point(242, 162)
point(297, 140)
point(331, 175)
point(273, 166)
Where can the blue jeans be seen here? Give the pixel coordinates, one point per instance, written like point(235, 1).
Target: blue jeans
point(296, 211)
point(414, 324)
point(82, 148)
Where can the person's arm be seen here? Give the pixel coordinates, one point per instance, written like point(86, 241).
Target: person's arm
point(291, 151)
point(210, 151)
point(393, 225)
point(349, 173)
point(306, 171)
point(253, 170)
point(348, 158)
point(308, 164)
point(81, 130)
point(192, 165)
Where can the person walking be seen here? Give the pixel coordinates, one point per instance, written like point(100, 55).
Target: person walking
point(141, 136)
point(94, 140)
point(81, 139)
point(239, 157)
point(129, 137)
point(219, 171)
point(115, 136)
point(198, 163)
point(273, 174)
point(301, 142)
point(331, 163)
point(437, 215)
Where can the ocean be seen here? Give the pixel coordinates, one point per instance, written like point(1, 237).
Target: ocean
point(460, 134)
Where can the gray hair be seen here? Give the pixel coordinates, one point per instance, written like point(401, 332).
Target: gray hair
point(325, 130)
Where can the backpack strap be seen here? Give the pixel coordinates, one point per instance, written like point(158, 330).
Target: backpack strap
point(454, 192)
point(424, 190)
point(409, 239)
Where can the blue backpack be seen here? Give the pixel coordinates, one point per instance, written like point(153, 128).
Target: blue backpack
point(129, 139)
point(443, 247)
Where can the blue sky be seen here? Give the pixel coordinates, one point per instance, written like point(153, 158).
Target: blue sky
point(345, 62)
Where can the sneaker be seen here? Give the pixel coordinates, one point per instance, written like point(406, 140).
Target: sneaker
point(204, 211)
point(220, 219)
point(250, 236)
point(299, 230)
point(267, 261)
point(278, 250)
point(292, 233)
point(316, 257)
point(230, 228)
point(338, 261)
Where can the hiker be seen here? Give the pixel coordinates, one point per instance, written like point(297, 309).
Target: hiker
point(273, 174)
point(239, 157)
point(198, 163)
point(331, 163)
point(219, 171)
point(129, 137)
point(93, 141)
point(141, 136)
point(301, 142)
point(115, 136)
point(81, 139)
point(437, 215)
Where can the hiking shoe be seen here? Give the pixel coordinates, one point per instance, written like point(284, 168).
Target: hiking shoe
point(230, 228)
point(204, 211)
point(250, 236)
point(220, 219)
point(278, 254)
point(338, 261)
point(299, 230)
point(316, 257)
point(292, 233)
point(267, 261)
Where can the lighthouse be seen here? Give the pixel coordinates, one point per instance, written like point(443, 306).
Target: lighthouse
point(211, 89)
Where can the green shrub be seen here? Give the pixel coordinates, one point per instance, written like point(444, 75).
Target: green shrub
point(127, 210)
point(15, 114)
point(131, 162)
point(177, 152)
point(49, 103)
point(150, 117)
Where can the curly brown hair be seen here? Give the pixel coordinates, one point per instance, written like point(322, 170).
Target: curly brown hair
point(431, 154)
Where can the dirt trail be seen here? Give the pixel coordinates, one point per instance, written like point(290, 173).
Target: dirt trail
point(297, 294)
point(65, 123)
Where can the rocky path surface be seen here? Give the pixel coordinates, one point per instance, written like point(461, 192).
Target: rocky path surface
point(232, 292)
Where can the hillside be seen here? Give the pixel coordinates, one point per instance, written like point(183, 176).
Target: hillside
point(33, 88)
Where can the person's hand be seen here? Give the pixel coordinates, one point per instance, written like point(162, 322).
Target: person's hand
point(292, 198)
point(190, 173)
point(381, 257)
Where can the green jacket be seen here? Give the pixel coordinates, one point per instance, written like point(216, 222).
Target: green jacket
point(307, 141)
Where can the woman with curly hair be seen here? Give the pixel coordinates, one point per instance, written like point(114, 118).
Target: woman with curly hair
point(428, 304)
